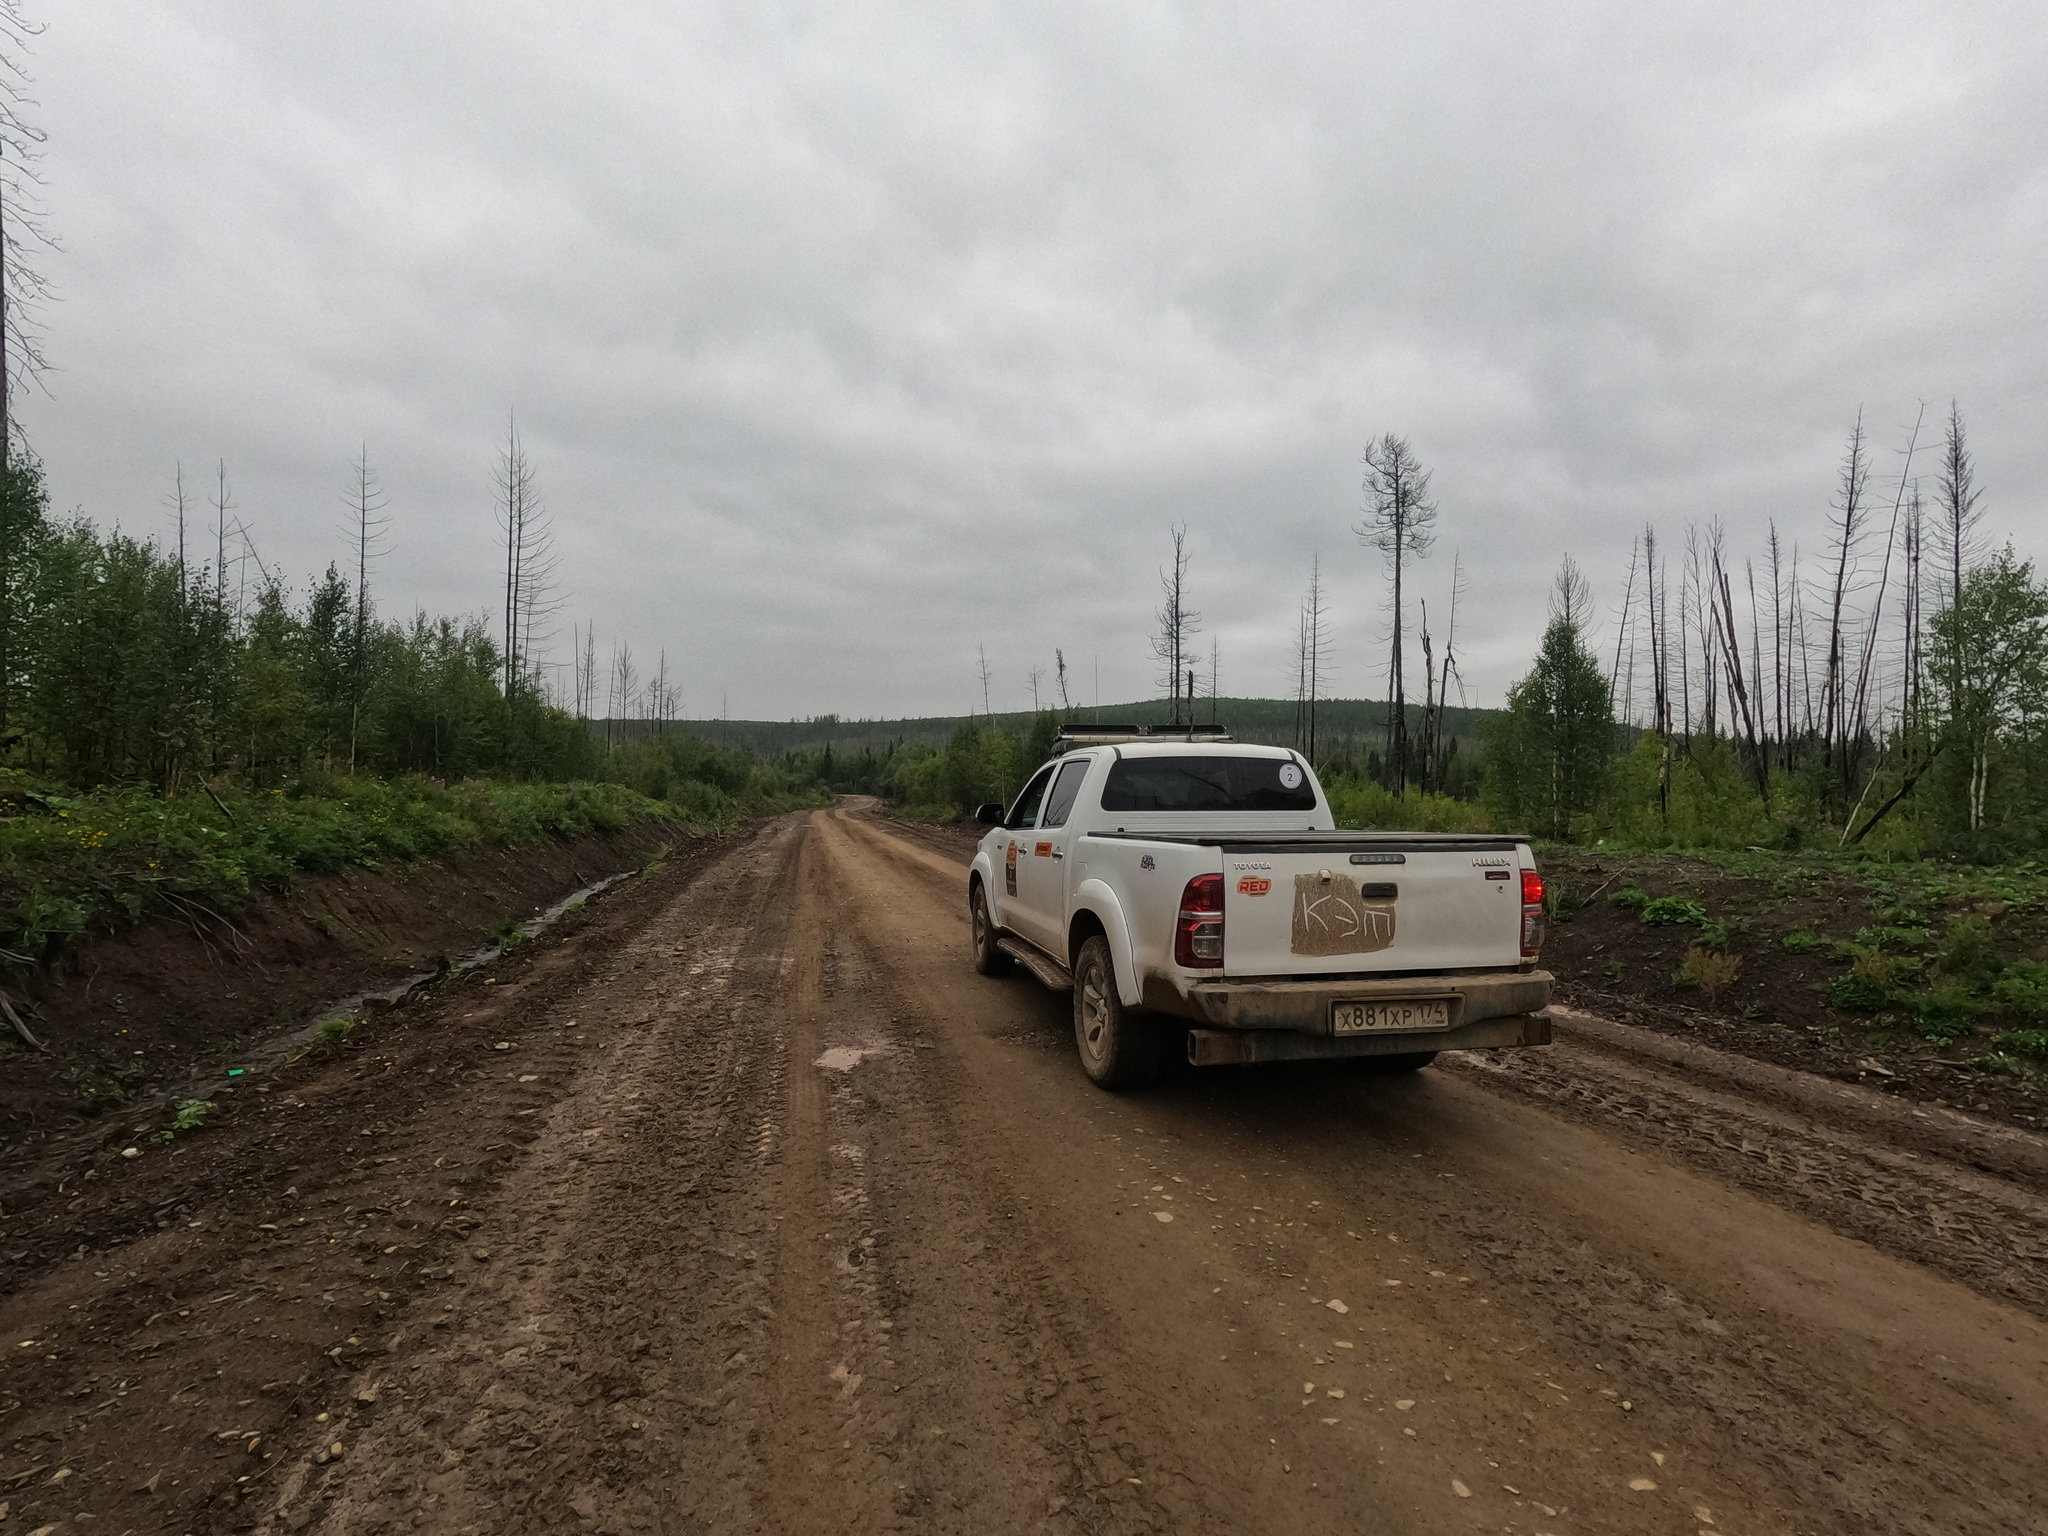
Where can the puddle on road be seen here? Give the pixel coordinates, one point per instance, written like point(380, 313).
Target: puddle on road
point(844, 1058)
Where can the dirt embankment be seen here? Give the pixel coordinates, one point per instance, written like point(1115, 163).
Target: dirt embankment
point(175, 996)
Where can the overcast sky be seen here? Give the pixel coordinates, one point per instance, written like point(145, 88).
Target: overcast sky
point(846, 338)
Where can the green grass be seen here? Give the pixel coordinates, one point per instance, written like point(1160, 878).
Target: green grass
point(71, 864)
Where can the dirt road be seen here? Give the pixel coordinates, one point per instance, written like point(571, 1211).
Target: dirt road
point(746, 1206)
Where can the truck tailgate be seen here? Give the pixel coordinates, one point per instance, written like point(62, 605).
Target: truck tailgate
point(1373, 904)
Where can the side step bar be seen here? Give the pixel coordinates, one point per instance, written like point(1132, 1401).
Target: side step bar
point(1055, 976)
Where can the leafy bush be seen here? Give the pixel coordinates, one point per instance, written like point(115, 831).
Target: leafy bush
point(1713, 935)
point(2024, 988)
point(1857, 994)
point(1673, 910)
point(1630, 898)
point(1707, 970)
point(2024, 1042)
point(1966, 946)
point(1801, 941)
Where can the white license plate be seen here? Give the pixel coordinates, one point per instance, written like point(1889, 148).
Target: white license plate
point(1377, 1018)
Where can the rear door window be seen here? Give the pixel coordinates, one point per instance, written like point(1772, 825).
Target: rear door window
point(1207, 784)
point(1059, 804)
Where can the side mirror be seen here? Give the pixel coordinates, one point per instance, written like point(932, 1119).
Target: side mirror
point(990, 815)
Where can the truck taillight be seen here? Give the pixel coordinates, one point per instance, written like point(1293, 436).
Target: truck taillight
point(1198, 932)
point(1532, 914)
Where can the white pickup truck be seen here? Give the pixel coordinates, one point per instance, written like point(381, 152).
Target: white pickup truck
point(1196, 889)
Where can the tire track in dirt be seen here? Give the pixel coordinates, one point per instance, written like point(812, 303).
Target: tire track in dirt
point(1989, 1233)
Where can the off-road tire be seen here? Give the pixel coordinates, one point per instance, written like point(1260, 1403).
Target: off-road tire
point(1120, 1047)
point(1405, 1061)
point(988, 959)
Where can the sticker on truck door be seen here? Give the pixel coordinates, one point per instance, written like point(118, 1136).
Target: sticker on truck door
point(1331, 917)
point(1010, 872)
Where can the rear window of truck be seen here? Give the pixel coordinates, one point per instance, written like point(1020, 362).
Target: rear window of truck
point(1207, 784)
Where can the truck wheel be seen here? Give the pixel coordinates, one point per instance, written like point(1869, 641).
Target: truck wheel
point(1406, 1061)
point(1120, 1047)
point(988, 960)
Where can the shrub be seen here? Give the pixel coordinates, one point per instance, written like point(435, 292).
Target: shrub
point(1631, 898)
point(336, 1031)
point(1708, 970)
point(1857, 994)
point(1947, 1013)
point(2024, 1042)
point(2024, 988)
point(1673, 910)
point(1713, 935)
point(1802, 941)
point(1966, 946)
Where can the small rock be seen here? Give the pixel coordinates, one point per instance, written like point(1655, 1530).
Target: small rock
point(1405, 1404)
point(367, 1394)
point(502, 1045)
point(1307, 1387)
point(131, 1151)
point(481, 1255)
point(1657, 1457)
point(1460, 1489)
point(1704, 1515)
point(1642, 1485)
point(530, 1077)
point(1334, 1392)
point(58, 1476)
point(1336, 1306)
point(1162, 1215)
point(334, 1451)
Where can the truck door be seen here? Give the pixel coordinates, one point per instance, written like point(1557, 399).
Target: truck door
point(1041, 911)
point(1014, 855)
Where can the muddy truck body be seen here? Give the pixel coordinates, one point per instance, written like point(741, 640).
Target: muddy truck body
point(1196, 894)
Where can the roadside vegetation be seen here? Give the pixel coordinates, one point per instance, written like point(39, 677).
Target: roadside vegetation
point(172, 733)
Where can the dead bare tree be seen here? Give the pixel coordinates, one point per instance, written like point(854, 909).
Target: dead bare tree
point(1059, 659)
point(1845, 538)
point(982, 652)
point(529, 558)
point(1312, 659)
point(1957, 512)
point(1399, 517)
point(368, 529)
point(1622, 631)
point(1036, 676)
point(1178, 624)
point(23, 289)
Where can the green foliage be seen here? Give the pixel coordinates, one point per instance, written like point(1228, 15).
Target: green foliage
point(1713, 935)
point(1987, 677)
point(1681, 799)
point(1365, 803)
point(2024, 1042)
point(1857, 993)
point(1966, 946)
point(2023, 988)
point(1673, 910)
point(108, 857)
point(1631, 898)
point(335, 1032)
point(1898, 940)
point(1547, 753)
point(191, 1116)
point(980, 765)
point(1801, 941)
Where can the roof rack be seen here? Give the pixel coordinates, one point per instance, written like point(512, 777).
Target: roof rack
point(1120, 735)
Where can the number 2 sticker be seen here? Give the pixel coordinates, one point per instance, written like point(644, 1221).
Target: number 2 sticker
point(1290, 776)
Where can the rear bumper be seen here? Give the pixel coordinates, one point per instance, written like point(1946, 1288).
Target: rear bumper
point(1230, 1047)
point(1304, 1006)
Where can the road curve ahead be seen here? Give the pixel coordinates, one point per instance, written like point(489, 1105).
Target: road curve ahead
point(817, 1230)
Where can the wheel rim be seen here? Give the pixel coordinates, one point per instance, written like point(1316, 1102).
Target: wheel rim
point(1094, 1012)
point(980, 923)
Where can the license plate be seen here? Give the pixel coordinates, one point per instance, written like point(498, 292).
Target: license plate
point(1377, 1018)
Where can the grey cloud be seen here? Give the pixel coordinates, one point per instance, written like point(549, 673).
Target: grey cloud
point(846, 339)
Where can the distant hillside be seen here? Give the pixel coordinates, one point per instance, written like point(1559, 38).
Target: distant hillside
point(1344, 727)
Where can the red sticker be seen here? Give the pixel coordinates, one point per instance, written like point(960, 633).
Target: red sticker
point(1044, 850)
point(1254, 885)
